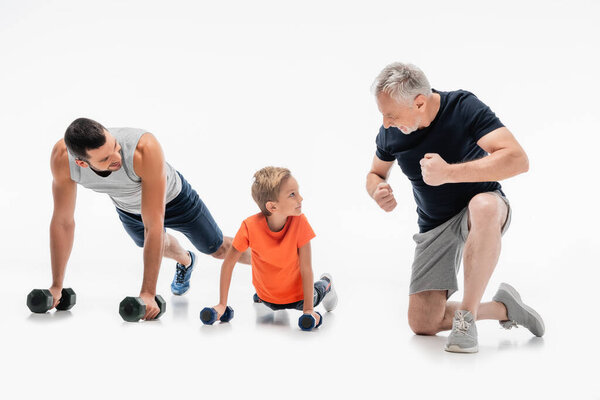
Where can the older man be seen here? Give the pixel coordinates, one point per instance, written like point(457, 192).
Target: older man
point(453, 149)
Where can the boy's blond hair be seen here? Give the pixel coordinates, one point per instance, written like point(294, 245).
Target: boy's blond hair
point(266, 186)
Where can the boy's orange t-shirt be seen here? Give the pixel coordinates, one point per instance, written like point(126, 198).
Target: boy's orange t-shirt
point(275, 262)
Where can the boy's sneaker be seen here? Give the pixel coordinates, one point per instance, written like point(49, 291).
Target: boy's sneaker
point(518, 313)
point(331, 299)
point(463, 338)
point(181, 281)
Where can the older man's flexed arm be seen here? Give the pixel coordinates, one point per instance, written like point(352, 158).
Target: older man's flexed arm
point(377, 185)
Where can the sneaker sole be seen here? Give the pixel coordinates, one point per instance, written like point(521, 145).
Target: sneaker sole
point(457, 349)
point(180, 294)
point(539, 328)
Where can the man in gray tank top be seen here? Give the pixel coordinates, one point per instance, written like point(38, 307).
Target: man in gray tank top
point(149, 194)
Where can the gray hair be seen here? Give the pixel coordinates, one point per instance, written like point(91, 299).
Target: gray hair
point(402, 82)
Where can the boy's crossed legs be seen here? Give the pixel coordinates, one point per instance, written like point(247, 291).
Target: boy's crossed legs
point(322, 289)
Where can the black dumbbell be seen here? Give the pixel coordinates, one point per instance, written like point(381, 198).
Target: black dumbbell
point(40, 300)
point(132, 309)
point(306, 322)
point(208, 315)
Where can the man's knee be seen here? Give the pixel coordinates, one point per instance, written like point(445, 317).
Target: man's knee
point(486, 209)
point(426, 312)
point(222, 251)
point(422, 325)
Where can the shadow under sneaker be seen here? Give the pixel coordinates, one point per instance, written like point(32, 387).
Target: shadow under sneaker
point(331, 299)
point(181, 280)
point(463, 338)
point(518, 312)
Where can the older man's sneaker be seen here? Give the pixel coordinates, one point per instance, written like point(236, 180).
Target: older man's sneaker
point(181, 280)
point(463, 338)
point(518, 312)
point(331, 299)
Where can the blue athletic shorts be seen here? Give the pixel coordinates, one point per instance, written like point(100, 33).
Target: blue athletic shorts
point(187, 214)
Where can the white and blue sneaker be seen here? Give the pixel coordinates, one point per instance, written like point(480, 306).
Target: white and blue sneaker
point(181, 281)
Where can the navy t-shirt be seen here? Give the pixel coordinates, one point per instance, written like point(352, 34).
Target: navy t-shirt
point(460, 122)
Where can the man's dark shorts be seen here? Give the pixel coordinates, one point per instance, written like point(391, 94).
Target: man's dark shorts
point(187, 214)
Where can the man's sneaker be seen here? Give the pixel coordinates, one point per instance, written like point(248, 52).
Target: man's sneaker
point(518, 313)
point(331, 299)
point(181, 281)
point(463, 338)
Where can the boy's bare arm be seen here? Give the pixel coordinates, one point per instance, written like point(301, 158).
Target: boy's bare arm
point(231, 258)
point(306, 272)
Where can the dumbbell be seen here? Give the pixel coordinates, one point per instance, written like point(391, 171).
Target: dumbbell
point(208, 315)
point(132, 309)
point(306, 322)
point(40, 300)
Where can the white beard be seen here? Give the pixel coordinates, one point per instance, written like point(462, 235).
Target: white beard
point(411, 129)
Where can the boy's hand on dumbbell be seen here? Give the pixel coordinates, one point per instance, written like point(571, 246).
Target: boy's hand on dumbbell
point(309, 320)
point(316, 316)
point(56, 295)
point(152, 308)
point(220, 309)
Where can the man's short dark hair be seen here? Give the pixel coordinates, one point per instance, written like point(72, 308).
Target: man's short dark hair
point(84, 134)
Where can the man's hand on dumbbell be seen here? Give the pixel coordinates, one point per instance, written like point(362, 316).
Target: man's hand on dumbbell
point(152, 308)
point(56, 295)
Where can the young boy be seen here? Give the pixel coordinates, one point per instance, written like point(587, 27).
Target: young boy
point(279, 237)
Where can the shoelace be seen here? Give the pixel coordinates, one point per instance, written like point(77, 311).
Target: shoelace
point(180, 274)
point(461, 325)
point(509, 324)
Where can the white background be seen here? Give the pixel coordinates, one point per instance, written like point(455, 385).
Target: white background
point(230, 87)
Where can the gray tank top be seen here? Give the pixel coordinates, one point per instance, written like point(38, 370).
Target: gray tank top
point(124, 187)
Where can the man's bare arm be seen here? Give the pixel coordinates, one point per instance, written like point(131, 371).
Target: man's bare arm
point(149, 165)
point(377, 185)
point(62, 225)
point(506, 159)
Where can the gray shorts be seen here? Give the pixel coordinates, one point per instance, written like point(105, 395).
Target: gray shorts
point(438, 253)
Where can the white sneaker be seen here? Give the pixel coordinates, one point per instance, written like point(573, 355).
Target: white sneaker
point(518, 312)
point(463, 338)
point(331, 299)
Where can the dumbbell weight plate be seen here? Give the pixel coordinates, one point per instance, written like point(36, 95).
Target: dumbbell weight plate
point(132, 309)
point(227, 315)
point(39, 300)
point(162, 304)
point(208, 315)
point(68, 299)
